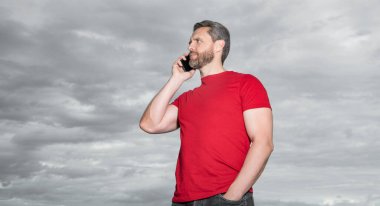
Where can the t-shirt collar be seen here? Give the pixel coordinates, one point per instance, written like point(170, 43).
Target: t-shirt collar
point(210, 78)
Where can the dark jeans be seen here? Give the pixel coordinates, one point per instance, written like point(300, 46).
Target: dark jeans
point(219, 200)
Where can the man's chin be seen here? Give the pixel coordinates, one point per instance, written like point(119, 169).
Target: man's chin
point(192, 65)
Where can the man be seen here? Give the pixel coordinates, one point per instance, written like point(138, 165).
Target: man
point(225, 124)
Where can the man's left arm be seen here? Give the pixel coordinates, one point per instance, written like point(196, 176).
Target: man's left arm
point(259, 125)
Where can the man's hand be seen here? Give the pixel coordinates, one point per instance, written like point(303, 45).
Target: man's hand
point(178, 71)
point(230, 196)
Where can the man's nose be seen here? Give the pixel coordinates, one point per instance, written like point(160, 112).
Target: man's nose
point(191, 47)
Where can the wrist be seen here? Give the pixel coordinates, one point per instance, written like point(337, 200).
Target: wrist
point(233, 194)
point(176, 80)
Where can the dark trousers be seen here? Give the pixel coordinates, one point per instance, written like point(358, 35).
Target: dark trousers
point(219, 200)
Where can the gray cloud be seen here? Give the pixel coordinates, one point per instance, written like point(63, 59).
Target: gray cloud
point(76, 76)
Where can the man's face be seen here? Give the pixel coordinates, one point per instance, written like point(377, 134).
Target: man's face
point(201, 48)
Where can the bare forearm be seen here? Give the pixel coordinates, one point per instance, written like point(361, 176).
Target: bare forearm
point(156, 109)
point(251, 170)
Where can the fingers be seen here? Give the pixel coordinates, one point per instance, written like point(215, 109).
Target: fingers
point(179, 63)
point(183, 57)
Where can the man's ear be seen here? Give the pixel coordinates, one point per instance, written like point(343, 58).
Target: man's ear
point(219, 45)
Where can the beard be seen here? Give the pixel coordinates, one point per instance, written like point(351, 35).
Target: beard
point(202, 59)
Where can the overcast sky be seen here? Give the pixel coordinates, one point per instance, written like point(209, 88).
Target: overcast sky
point(75, 77)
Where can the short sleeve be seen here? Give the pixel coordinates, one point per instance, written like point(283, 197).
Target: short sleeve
point(252, 93)
point(176, 102)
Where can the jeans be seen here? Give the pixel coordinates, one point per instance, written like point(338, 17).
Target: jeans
point(219, 200)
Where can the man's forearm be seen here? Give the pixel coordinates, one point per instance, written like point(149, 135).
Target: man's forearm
point(156, 109)
point(251, 170)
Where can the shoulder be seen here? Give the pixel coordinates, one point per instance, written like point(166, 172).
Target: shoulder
point(185, 94)
point(246, 78)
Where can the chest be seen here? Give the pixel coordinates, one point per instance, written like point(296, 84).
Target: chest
point(211, 101)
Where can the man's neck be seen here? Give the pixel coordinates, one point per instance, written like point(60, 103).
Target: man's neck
point(211, 68)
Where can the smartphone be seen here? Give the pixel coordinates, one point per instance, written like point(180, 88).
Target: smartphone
point(185, 63)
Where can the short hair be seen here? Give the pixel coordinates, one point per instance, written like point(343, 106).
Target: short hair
point(217, 32)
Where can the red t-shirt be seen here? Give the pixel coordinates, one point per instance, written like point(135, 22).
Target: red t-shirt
point(214, 140)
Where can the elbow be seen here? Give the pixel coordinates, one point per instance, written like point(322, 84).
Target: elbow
point(267, 145)
point(271, 147)
point(146, 128)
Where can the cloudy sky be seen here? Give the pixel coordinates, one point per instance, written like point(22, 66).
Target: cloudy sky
point(75, 77)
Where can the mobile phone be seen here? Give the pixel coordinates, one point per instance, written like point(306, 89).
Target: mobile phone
point(185, 64)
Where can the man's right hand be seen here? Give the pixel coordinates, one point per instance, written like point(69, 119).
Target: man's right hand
point(179, 72)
